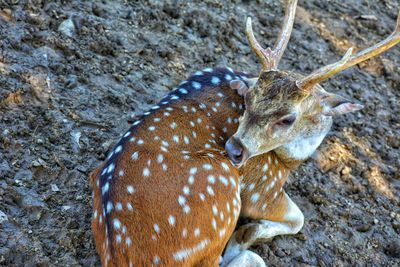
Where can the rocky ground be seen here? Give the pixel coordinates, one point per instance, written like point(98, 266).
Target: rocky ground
point(73, 73)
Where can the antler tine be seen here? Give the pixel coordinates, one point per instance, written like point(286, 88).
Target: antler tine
point(398, 23)
point(328, 71)
point(270, 58)
point(324, 72)
point(263, 54)
point(286, 31)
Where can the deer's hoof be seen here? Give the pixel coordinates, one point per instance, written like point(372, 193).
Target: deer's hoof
point(247, 234)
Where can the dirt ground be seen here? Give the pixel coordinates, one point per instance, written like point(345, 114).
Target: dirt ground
point(73, 73)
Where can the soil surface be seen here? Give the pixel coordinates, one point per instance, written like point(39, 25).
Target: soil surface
point(73, 73)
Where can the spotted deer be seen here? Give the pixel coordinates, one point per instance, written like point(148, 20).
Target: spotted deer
point(168, 195)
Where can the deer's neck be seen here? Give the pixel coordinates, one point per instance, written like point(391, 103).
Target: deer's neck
point(219, 104)
point(262, 184)
point(286, 160)
point(224, 107)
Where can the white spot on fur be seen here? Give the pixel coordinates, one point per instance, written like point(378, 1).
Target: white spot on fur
point(223, 180)
point(146, 172)
point(181, 255)
point(156, 228)
point(215, 80)
point(156, 260)
point(202, 196)
point(181, 200)
point(214, 210)
point(196, 85)
point(191, 179)
point(255, 197)
point(160, 158)
point(265, 167)
point(251, 187)
point(105, 188)
point(210, 191)
point(128, 241)
point(109, 206)
point(130, 189)
point(184, 233)
point(197, 232)
point(193, 170)
point(186, 190)
point(214, 224)
point(117, 224)
point(186, 209)
point(207, 166)
point(135, 156)
point(186, 140)
point(171, 220)
point(225, 166)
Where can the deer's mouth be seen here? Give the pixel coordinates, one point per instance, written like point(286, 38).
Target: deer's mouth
point(237, 152)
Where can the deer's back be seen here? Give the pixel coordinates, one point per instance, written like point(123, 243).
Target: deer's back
point(166, 193)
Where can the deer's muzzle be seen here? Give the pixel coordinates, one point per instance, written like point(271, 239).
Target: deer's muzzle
point(236, 151)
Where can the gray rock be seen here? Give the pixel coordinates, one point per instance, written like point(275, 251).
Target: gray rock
point(3, 217)
point(67, 27)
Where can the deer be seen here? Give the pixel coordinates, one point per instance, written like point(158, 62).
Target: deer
point(172, 188)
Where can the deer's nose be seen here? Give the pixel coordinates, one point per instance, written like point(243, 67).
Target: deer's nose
point(236, 151)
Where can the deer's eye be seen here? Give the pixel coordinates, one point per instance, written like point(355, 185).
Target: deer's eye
point(287, 120)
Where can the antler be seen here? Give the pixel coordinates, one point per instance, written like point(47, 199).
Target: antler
point(350, 60)
point(270, 58)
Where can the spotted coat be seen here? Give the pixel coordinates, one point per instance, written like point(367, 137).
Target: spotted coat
point(167, 194)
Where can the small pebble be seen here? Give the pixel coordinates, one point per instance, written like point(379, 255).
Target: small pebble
point(54, 188)
point(39, 162)
point(301, 236)
point(363, 228)
point(65, 208)
point(396, 226)
point(3, 217)
point(67, 27)
point(345, 171)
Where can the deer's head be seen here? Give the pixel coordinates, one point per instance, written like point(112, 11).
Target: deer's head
point(288, 112)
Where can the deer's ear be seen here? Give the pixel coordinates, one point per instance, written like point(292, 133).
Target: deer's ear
point(337, 105)
point(242, 87)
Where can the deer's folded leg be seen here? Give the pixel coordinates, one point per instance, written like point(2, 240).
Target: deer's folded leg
point(247, 258)
point(286, 219)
